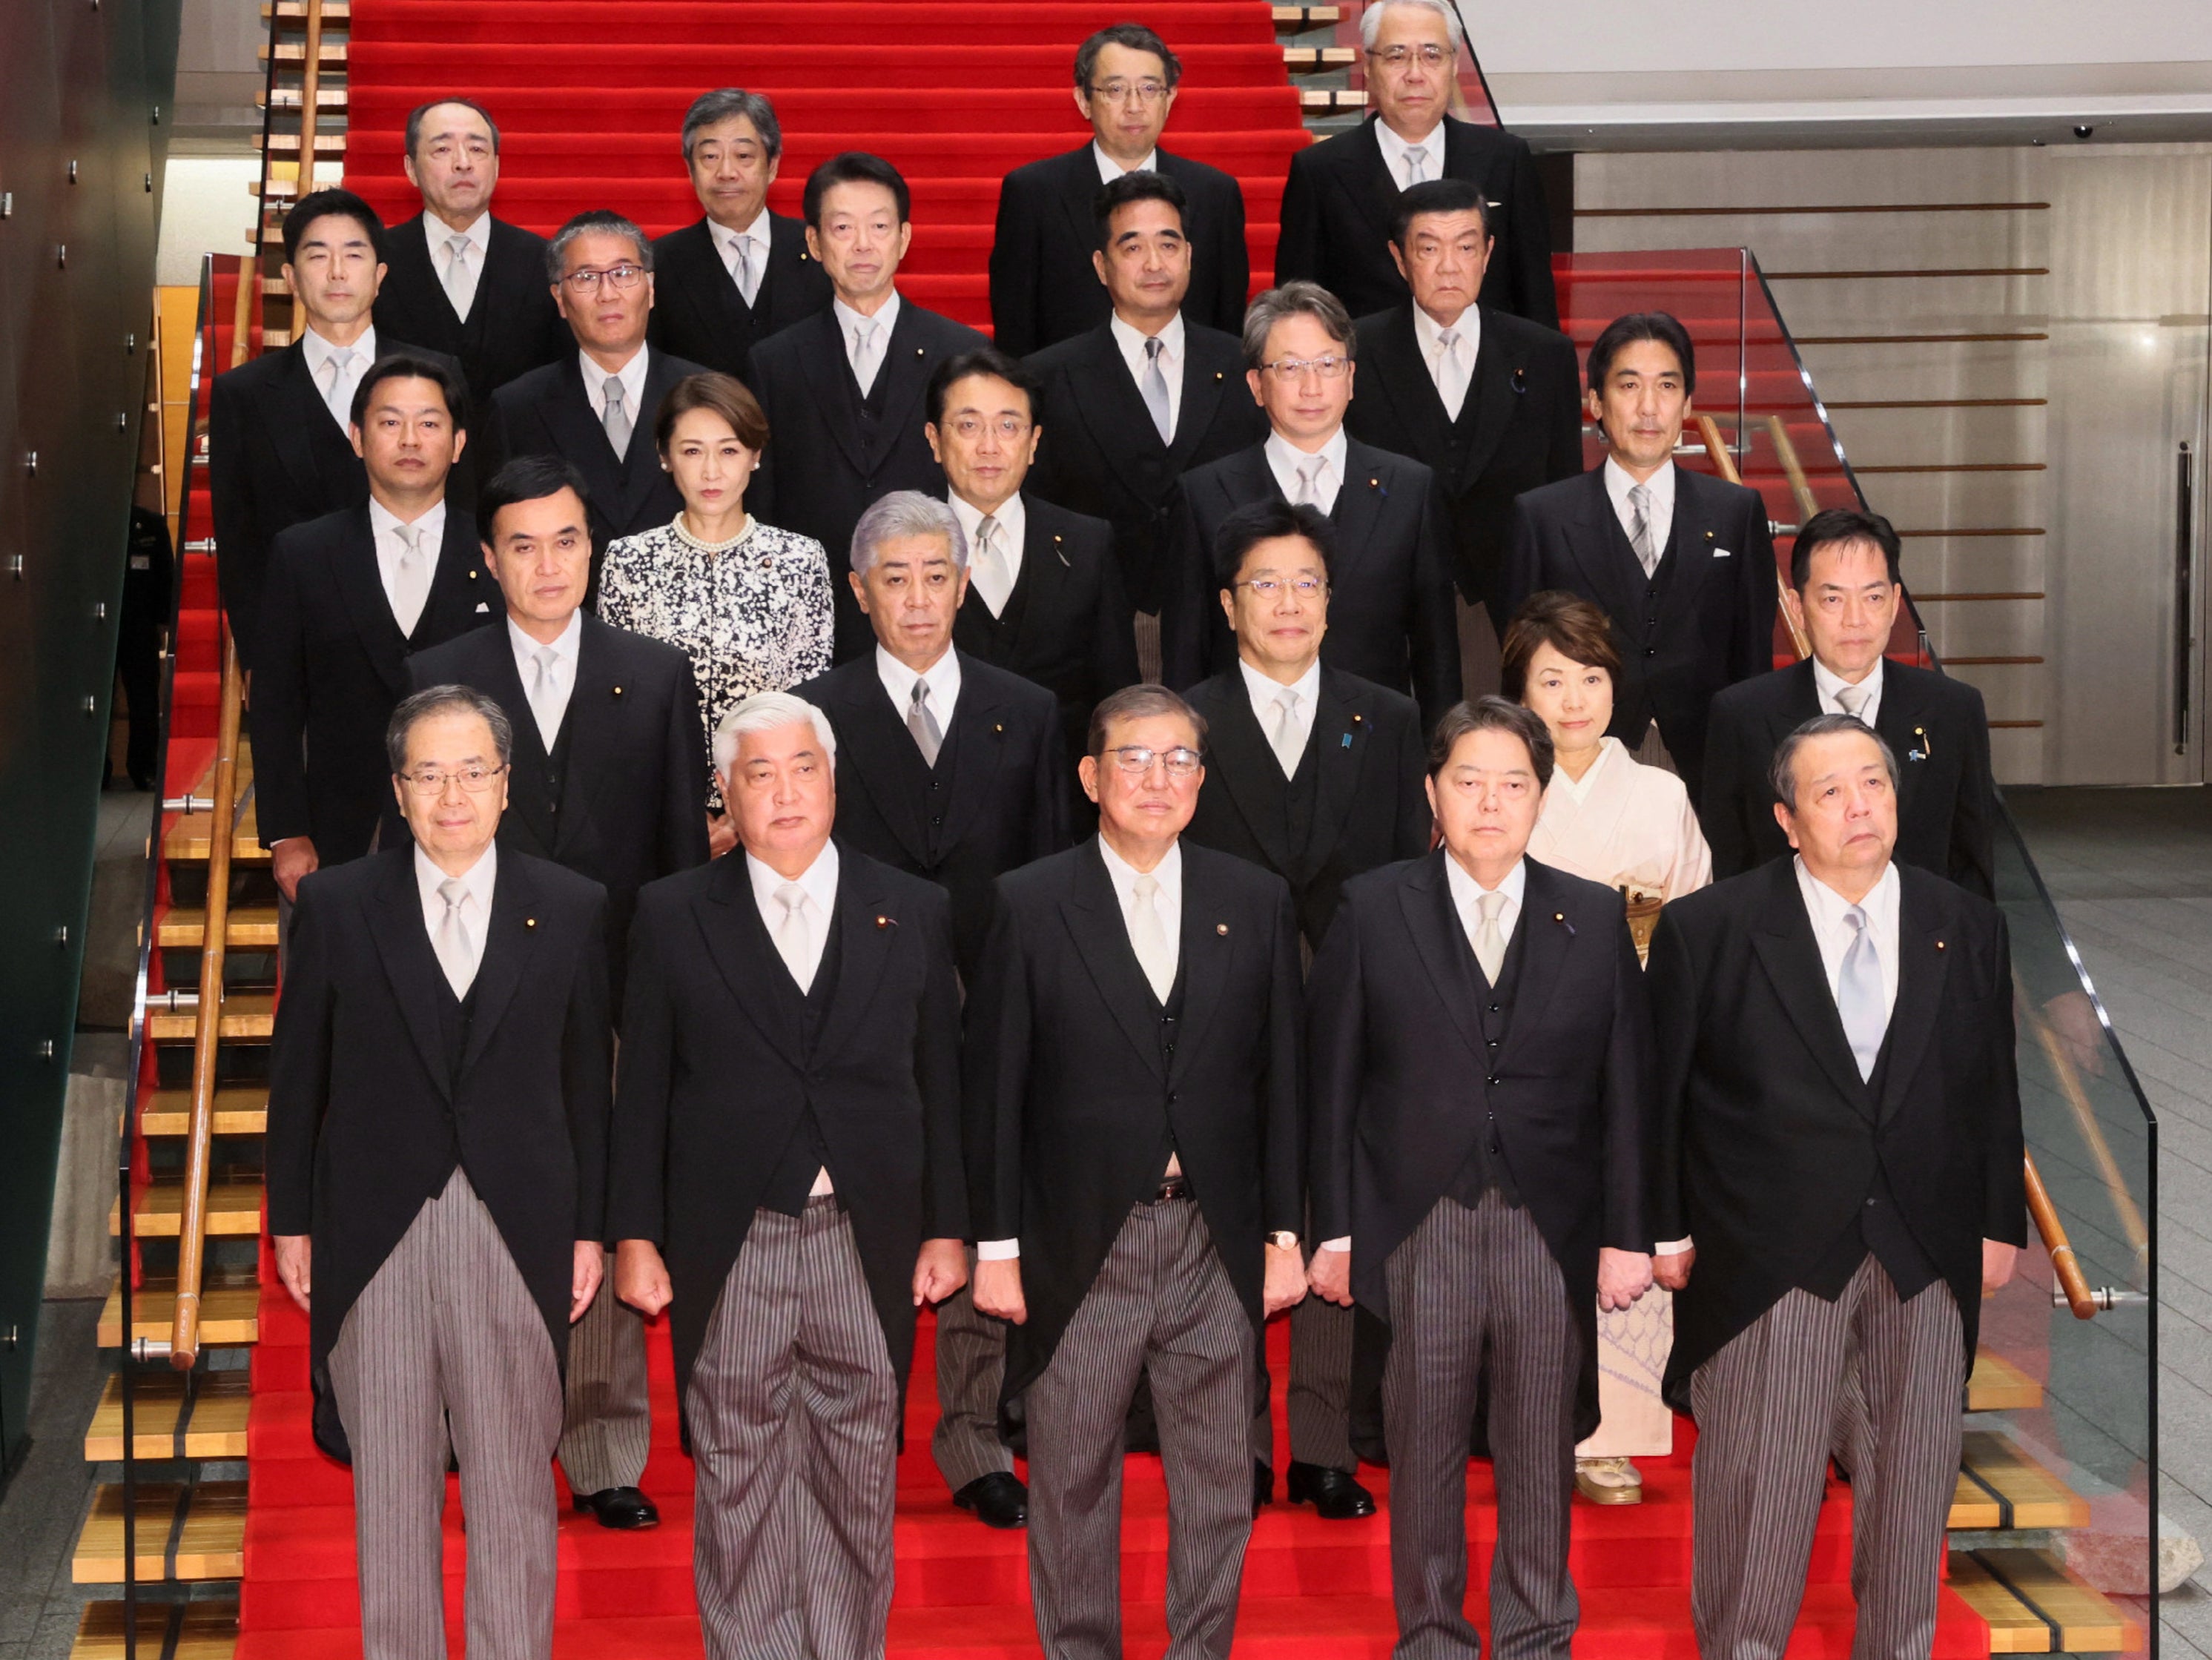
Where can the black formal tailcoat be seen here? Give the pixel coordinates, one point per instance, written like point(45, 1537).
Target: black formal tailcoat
point(697, 311)
point(996, 799)
point(1711, 625)
point(1769, 1145)
point(1101, 455)
point(1072, 1107)
point(370, 1108)
point(1044, 288)
point(1934, 725)
point(275, 458)
point(1339, 197)
point(1369, 761)
point(828, 456)
point(717, 1077)
point(1068, 625)
point(513, 324)
point(1519, 426)
point(624, 799)
point(547, 412)
point(334, 667)
point(1390, 614)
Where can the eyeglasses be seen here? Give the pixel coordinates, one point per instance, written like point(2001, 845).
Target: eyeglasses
point(1268, 587)
point(971, 427)
point(621, 278)
point(1135, 760)
point(432, 781)
point(1121, 92)
point(1429, 57)
point(1287, 369)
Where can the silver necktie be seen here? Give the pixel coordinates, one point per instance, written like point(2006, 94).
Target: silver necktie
point(794, 940)
point(741, 268)
point(1416, 165)
point(988, 571)
point(922, 721)
point(451, 942)
point(338, 384)
point(1853, 699)
point(864, 354)
point(1639, 527)
point(544, 685)
point(460, 276)
point(1148, 937)
point(1154, 388)
point(1283, 731)
point(616, 419)
point(1310, 469)
point(1489, 937)
point(1451, 373)
point(1858, 994)
point(410, 583)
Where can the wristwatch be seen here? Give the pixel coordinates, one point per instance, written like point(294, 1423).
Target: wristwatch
point(1283, 1239)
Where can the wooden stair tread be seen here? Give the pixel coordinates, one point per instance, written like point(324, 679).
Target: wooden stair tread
point(239, 1110)
point(208, 1543)
point(2021, 1594)
point(193, 834)
point(1305, 59)
point(1998, 1385)
point(234, 1210)
point(181, 1631)
point(2003, 1486)
point(230, 1310)
point(248, 928)
point(215, 1428)
point(1305, 17)
point(245, 1015)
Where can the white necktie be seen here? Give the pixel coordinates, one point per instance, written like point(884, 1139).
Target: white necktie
point(1416, 165)
point(1312, 469)
point(545, 693)
point(794, 940)
point(341, 374)
point(922, 721)
point(1154, 388)
point(1450, 373)
point(1489, 937)
point(1639, 527)
point(460, 275)
point(410, 583)
point(456, 955)
point(617, 420)
point(1148, 937)
point(862, 346)
point(741, 268)
point(987, 572)
point(1853, 699)
point(1283, 731)
point(1858, 994)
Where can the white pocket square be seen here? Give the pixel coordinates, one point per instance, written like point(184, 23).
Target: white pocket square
point(483, 605)
point(1718, 552)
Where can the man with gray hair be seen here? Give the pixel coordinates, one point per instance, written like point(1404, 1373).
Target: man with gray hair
point(595, 408)
point(788, 1180)
point(438, 1101)
point(1839, 1142)
point(741, 272)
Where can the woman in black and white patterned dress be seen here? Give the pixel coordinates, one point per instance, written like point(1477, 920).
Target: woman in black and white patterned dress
point(749, 602)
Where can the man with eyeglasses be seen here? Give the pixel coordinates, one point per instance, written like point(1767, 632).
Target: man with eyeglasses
point(595, 406)
point(1338, 199)
point(350, 595)
point(1042, 290)
point(1134, 1150)
point(1391, 618)
point(464, 282)
point(741, 272)
point(438, 1104)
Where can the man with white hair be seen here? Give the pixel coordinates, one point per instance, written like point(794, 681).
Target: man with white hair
point(785, 1175)
point(1341, 194)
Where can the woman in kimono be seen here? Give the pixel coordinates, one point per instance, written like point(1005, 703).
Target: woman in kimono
point(1608, 818)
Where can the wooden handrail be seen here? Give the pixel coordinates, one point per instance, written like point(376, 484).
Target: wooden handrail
point(1717, 448)
point(192, 1226)
point(2071, 1284)
point(2093, 1135)
point(310, 93)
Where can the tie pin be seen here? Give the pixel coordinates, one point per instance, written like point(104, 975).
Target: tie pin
point(1222, 929)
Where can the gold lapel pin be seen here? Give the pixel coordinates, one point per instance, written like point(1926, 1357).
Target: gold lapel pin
point(1216, 374)
point(1374, 483)
point(472, 576)
point(1558, 916)
point(883, 922)
point(530, 922)
point(617, 691)
point(1222, 929)
point(1939, 945)
point(1708, 536)
point(996, 727)
point(1356, 719)
point(918, 352)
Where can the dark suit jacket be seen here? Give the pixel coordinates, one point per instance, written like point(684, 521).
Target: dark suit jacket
point(333, 668)
point(368, 1114)
point(1369, 805)
point(1340, 195)
point(547, 412)
point(1043, 286)
point(997, 801)
point(1403, 1082)
point(632, 804)
point(1934, 725)
point(1072, 1107)
point(1390, 614)
point(1520, 427)
point(276, 459)
point(1068, 625)
point(711, 1005)
point(1768, 1143)
point(513, 324)
point(819, 471)
point(1101, 455)
point(697, 311)
point(1716, 625)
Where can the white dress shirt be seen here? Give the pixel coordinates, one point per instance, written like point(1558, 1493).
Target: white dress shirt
point(1305, 693)
point(1010, 521)
point(755, 236)
point(1618, 484)
point(479, 879)
point(1834, 935)
point(850, 323)
point(632, 376)
point(1132, 342)
point(1109, 169)
point(1452, 388)
point(1397, 153)
point(555, 708)
point(1283, 459)
point(819, 879)
point(1826, 682)
point(382, 522)
point(438, 235)
point(318, 351)
point(942, 677)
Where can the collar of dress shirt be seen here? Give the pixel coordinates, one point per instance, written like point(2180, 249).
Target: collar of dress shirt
point(1826, 682)
point(1283, 457)
point(1465, 891)
point(1109, 169)
point(1427, 329)
point(819, 879)
point(438, 232)
point(1132, 342)
point(1013, 521)
point(1578, 789)
point(944, 678)
point(885, 319)
point(318, 351)
point(565, 647)
point(382, 521)
point(1619, 482)
point(757, 234)
point(1825, 906)
point(1263, 691)
point(1123, 875)
point(632, 376)
point(1394, 147)
point(479, 879)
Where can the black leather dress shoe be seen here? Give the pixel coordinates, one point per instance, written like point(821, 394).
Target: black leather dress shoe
point(999, 1499)
point(625, 1508)
point(1263, 1487)
point(1336, 1497)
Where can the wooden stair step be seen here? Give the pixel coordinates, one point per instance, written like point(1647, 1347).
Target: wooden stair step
point(1306, 60)
point(182, 1531)
point(167, 1423)
point(280, 143)
point(1998, 1385)
point(2025, 1594)
point(295, 51)
point(192, 836)
point(234, 1209)
point(287, 97)
point(296, 11)
point(177, 1631)
point(1331, 101)
point(2003, 1486)
point(247, 1016)
point(230, 1310)
point(1306, 17)
point(239, 1110)
point(248, 928)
